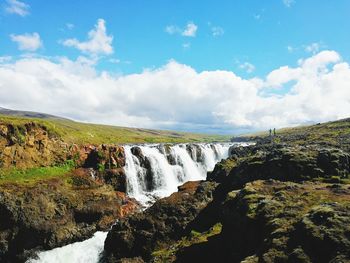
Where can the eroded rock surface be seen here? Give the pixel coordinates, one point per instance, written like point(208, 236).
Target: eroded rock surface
point(168, 219)
point(268, 203)
point(56, 212)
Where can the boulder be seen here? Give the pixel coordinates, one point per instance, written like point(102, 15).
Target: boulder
point(168, 219)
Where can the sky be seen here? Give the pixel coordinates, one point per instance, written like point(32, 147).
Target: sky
point(224, 67)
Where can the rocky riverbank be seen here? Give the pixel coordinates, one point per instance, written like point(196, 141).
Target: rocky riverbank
point(56, 212)
point(85, 195)
point(272, 202)
point(53, 192)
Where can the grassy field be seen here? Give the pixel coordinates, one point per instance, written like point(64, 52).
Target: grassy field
point(335, 132)
point(84, 133)
point(32, 175)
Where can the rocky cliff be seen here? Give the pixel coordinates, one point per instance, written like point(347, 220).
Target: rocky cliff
point(30, 145)
point(56, 212)
point(52, 211)
point(270, 202)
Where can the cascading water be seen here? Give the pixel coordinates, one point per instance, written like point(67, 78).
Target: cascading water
point(190, 170)
point(163, 177)
point(133, 170)
point(87, 251)
point(208, 155)
point(169, 167)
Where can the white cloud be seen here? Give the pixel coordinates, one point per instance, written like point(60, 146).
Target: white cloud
point(248, 67)
point(17, 7)
point(99, 42)
point(217, 31)
point(288, 3)
point(189, 31)
point(4, 59)
point(280, 76)
point(27, 42)
point(313, 48)
point(176, 96)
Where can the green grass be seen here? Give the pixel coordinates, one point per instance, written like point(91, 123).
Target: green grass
point(85, 133)
point(32, 175)
point(335, 133)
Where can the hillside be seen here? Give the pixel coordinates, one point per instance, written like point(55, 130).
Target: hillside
point(30, 114)
point(334, 133)
point(85, 133)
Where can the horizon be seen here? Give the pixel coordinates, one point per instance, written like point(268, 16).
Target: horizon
point(223, 68)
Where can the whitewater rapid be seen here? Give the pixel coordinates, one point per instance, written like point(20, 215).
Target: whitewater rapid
point(169, 167)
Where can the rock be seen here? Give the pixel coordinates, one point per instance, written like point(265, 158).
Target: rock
point(30, 145)
point(275, 224)
point(285, 163)
point(166, 220)
point(273, 203)
point(116, 178)
point(56, 212)
point(146, 164)
point(105, 157)
point(137, 152)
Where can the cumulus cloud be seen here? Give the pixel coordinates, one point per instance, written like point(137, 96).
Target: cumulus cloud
point(176, 96)
point(98, 42)
point(27, 42)
point(189, 31)
point(17, 7)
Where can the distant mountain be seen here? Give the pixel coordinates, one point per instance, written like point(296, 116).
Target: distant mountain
point(29, 114)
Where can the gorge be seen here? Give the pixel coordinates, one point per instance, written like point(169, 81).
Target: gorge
point(152, 172)
point(279, 199)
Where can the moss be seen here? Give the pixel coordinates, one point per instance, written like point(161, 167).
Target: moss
point(167, 252)
point(228, 164)
point(101, 167)
point(291, 214)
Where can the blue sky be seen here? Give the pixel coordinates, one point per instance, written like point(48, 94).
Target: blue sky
point(249, 38)
point(255, 31)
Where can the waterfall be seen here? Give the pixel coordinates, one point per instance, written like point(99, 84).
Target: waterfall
point(156, 173)
point(164, 180)
point(168, 167)
point(133, 186)
point(190, 170)
point(208, 157)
